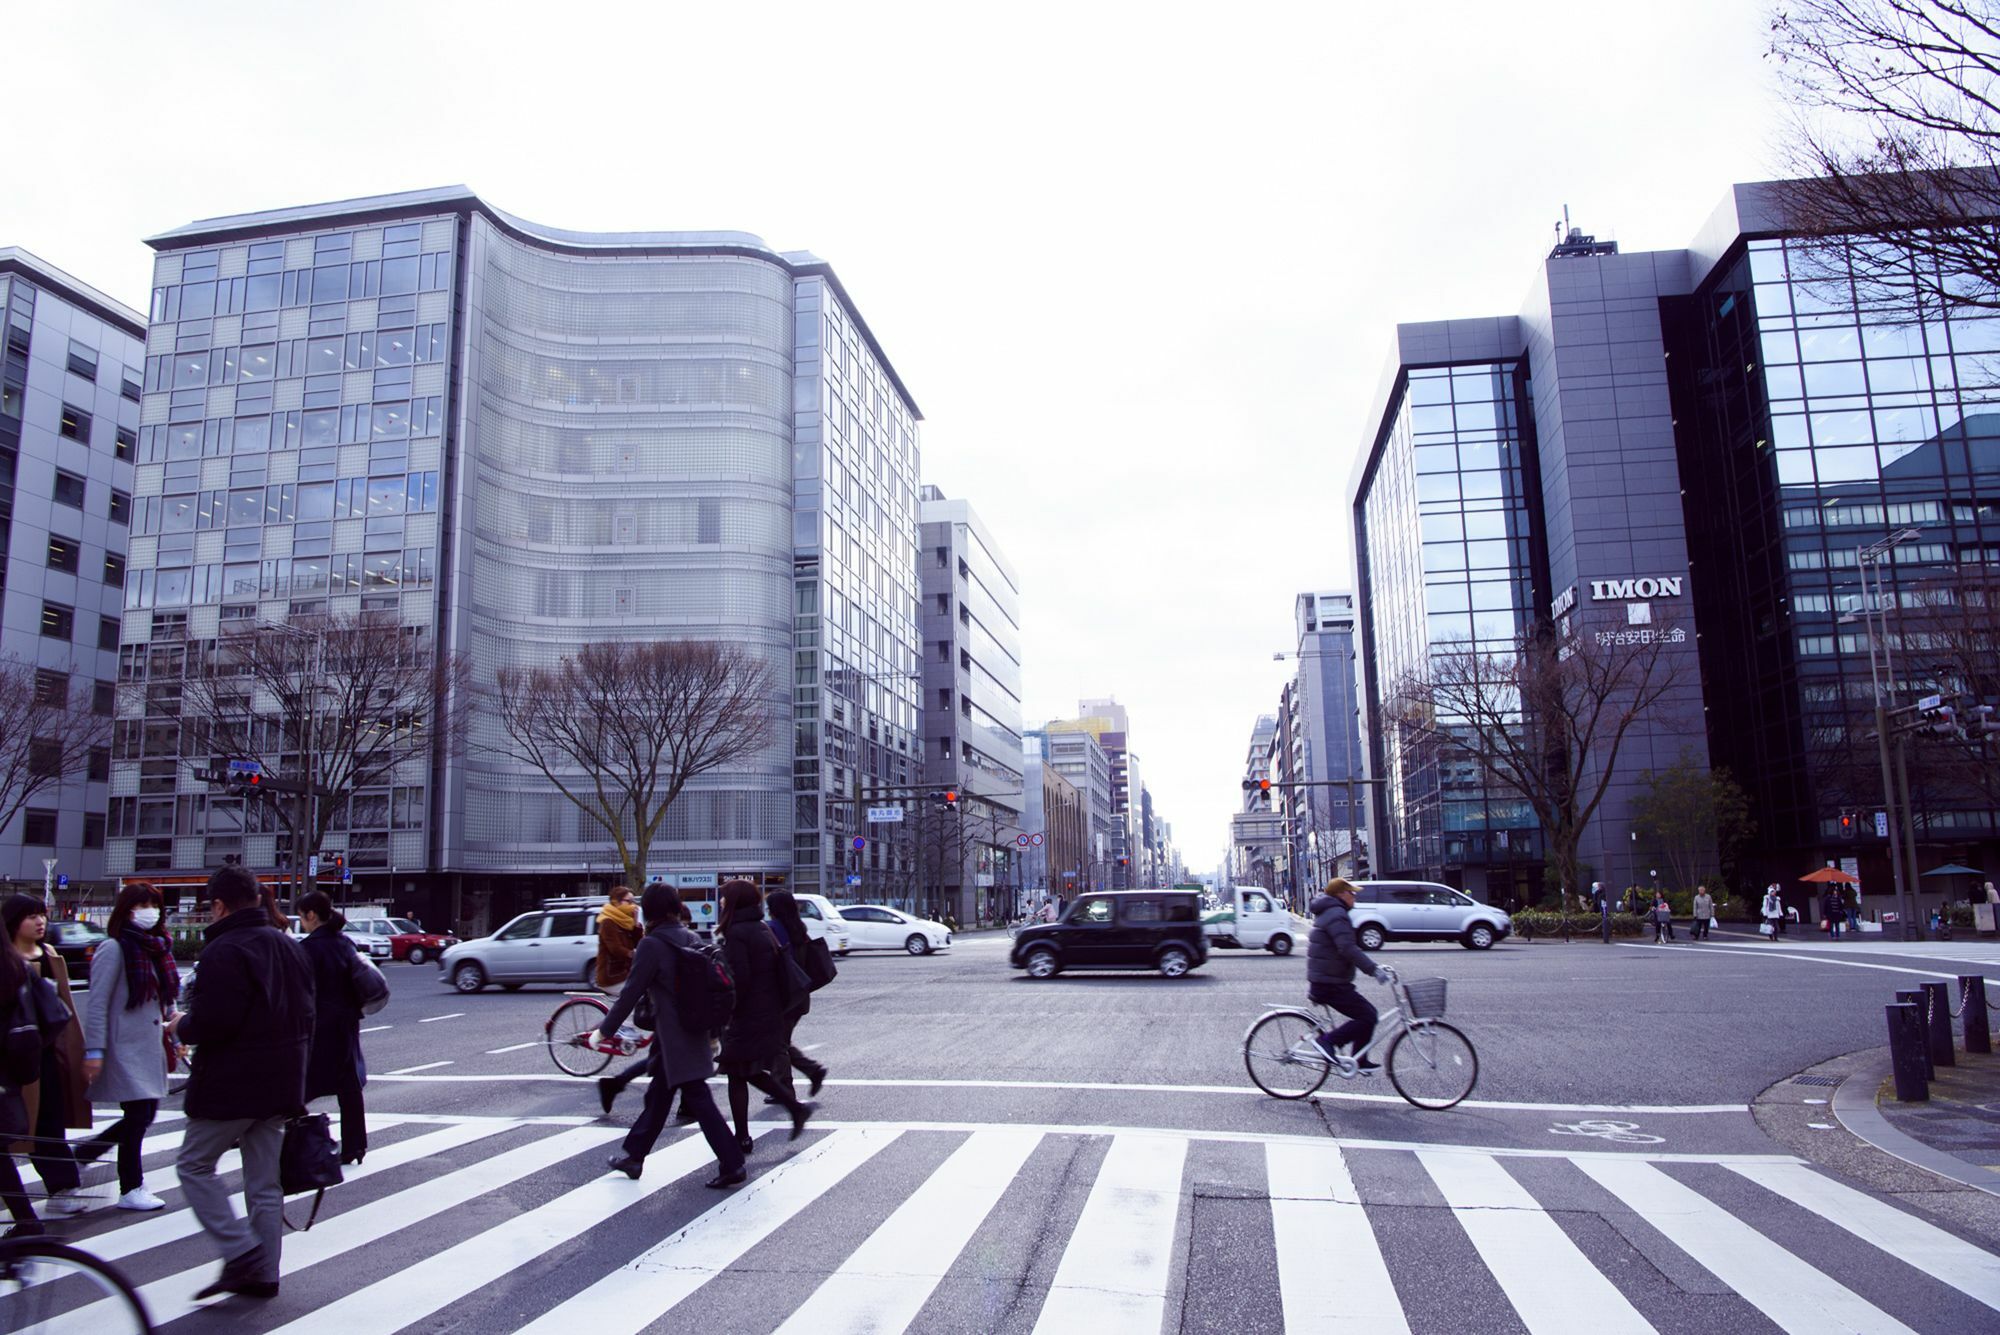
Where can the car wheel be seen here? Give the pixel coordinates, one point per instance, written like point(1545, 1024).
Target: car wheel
point(1370, 937)
point(917, 945)
point(1174, 962)
point(1280, 945)
point(418, 955)
point(1043, 964)
point(468, 977)
point(1479, 937)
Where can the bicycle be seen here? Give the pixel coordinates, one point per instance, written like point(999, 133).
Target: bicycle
point(571, 1036)
point(1431, 1064)
point(42, 1281)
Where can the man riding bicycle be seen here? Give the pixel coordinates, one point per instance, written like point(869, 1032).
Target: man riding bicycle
point(1332, 956)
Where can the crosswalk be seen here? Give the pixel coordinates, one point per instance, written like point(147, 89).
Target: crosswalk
point(497, 1223)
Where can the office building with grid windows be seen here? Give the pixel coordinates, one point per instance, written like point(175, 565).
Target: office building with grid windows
point(1695, 444)
point(517, 440)
point(70, 373)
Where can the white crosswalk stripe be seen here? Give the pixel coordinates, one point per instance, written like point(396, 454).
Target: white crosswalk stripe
point(979, 1209)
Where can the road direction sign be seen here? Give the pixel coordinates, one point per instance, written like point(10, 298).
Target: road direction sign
point(884, 815)
point(312, 865)
point(347, 876)
point(854, 880)
point(246, 767)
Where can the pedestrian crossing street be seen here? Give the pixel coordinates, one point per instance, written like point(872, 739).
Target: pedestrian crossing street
point(495, 1223)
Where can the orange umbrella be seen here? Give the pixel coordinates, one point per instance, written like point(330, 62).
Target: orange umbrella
point(1825, 874)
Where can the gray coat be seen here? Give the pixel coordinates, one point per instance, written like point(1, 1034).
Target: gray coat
point(683, 1057)
point(135, 1060)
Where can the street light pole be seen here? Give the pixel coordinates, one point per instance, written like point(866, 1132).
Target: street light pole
point(1901, 831)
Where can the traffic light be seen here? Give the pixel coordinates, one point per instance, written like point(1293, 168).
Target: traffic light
point(1979, 723)
point(1849, 826)
point(339, 863)
point(947, 799)
point(1257, 785)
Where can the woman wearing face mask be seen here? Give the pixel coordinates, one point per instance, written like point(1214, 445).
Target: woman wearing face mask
point(133, 984)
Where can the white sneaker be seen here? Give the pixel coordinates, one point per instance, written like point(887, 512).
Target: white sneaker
point(140, 1199)
point(65, 1203)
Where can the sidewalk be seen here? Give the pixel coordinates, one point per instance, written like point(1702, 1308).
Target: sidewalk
point(1956, 1134)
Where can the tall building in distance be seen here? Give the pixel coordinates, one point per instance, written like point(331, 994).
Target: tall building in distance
point(971, 628)
point(1055, 817)
point(71, 368)
point(1078, 758)
point(515, 440)
point(1107, 722)
point(1328, 813)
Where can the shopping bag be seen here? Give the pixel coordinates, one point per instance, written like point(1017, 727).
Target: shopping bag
point(1768, 930)
point(1713, 924)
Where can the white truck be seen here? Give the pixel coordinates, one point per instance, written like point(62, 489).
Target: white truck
point(1251, 918)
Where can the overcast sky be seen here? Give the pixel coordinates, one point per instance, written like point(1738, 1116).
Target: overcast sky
point(1138, 266)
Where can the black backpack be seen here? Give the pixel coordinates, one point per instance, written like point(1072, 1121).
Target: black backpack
point(704, 995)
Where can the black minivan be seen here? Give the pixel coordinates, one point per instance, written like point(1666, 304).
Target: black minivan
point(1120, 929)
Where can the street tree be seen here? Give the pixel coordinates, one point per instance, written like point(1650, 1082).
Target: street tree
point(47, 733)
point(1543, 722)
point(328, 706)
point(621, 729)
point(1695, 816)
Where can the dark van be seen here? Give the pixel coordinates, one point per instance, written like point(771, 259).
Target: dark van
point(1120, 929)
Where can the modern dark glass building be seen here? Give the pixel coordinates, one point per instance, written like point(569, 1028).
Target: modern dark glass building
point(1707, 437)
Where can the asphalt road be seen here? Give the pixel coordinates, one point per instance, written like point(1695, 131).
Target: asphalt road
point(995, 1153)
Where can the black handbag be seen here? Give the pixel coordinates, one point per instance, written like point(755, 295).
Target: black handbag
point(308, 1160)
point(817, 961)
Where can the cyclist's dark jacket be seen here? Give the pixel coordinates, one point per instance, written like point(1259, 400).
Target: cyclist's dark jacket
point(1332, 953)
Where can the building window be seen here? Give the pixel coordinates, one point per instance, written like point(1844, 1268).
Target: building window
point(93, 829)
point(107, 634)
point(38, 828)
point(121, 508)
point(58, 622)
point(103, 699)
point(131, 385)
point(114, 570)
point(98, 768)
point(51, 687)
point(124, 444)
point(74, 424)
point(83, 360)
point(62, 554)
point(69, 490)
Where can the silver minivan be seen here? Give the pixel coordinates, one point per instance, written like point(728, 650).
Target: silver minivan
point(548, 946)
point(1387, 911)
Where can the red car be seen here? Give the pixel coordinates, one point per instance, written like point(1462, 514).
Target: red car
point(407, 941)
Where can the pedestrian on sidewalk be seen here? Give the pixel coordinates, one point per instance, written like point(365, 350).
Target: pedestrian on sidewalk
point(1332, 956)
point(1833, 910)
point(679, 1058)
point(755, 1041)
point(252, 1019)
point(790, 929)
point(1704, 910)
point(59, 1099)
point(133, 985)
point(345, 984)
point(618, 936)
point(1773, 913)
point(17, 1073)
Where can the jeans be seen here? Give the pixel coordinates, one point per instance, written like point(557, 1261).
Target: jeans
point(126, 1133)
point(1344, 997)
point(694, 1095)
point(206, 1140)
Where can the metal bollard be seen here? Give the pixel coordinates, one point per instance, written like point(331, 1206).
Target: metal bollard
point(1906, 1052)
point(1938, 1017)
point(1915, 997)
point(1972, 1001)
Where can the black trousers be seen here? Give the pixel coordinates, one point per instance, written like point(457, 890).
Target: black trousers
point(694, 1094)
point(353, 1123)
point(794, 1060)
point(53, 1159)
point(126, 1133)
point(1347, 999)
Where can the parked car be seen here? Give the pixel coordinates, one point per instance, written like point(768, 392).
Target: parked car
point(407, 941)
point(367, 941)
point(1253, 919)
point(873, 927)
point(1387, 911)
point(823, 920)
point(546, 946)
point(1119, 929)
point(76, 942)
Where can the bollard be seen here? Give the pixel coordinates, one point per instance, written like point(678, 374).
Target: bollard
point(1906, 1045)
point(1937, 999)
point(1972, 1001)
point(1915, 997)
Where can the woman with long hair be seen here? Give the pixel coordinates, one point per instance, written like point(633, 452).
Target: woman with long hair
point(790, 930)
point(133, 984)
point(335, 1066)
point(58, 1101)
point(13, 1108)
point(754, 1042)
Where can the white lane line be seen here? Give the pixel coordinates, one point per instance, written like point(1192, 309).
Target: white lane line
point(433, 1019)
point(494, 1052)
point(1924, 1246)
point(1795, 1295)
point(885, 1282)
point(1113, 1087)
point(1551, 1283)
point(377, 1028)
point(486, 1258)
point(1815, 959)
point(1113, 1276)
point(1317, 1215)
point(427, 1066)
point(651, 1284)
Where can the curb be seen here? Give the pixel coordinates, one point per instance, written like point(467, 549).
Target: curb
point(1854, 1108)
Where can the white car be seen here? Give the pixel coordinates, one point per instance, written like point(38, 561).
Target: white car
point(823, 920)
point(873, 927)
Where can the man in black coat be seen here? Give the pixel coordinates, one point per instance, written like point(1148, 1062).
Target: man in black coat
point(250, 1019)
point(1332, 956)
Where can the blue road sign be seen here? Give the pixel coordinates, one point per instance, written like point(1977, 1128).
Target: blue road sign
point(62, 882)
point(859, 843)
point(347, 876)
point(246, 767)
point(854, 880)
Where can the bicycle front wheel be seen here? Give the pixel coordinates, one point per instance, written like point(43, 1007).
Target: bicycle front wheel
point(1281, 1057)
point(43, 1284)
point(1432, 1065)
point(569, 1031)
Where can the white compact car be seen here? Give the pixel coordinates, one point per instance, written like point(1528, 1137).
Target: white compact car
point(1387, 911)
point(872, 927)
point(823, 920)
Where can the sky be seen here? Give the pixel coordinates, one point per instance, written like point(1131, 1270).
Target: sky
point(1139, 264)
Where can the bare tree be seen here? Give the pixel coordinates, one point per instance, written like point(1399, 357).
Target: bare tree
point(621, 729)
point(1949, 636)
point(1896, 139)
point(328, 706)
point(1544, 722)
point(47, 733)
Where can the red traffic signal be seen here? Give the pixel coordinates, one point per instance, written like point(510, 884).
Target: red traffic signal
point(1847, 825)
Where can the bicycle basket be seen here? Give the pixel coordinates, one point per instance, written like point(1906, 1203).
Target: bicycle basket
point(1426, 998)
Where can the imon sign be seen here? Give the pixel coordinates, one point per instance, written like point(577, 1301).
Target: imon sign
point(1624, 590)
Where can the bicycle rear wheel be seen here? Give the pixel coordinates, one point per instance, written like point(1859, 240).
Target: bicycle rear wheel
point(1432, 1065)
point(44, 1283)
point(1280, 1055)
point(569, 1031)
